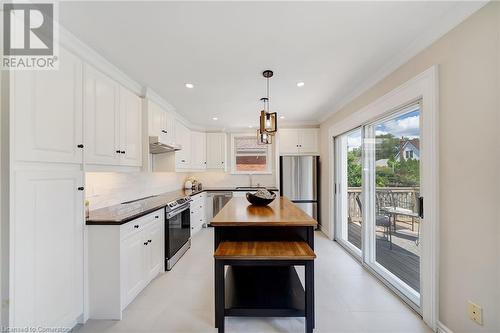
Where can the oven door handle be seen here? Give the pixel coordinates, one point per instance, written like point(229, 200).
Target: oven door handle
point(177, 211)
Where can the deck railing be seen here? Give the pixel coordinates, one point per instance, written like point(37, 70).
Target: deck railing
point(403, 197)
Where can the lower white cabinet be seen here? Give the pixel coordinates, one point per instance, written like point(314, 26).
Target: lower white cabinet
point(198, 212)
point(46, 257)
point(123, 259)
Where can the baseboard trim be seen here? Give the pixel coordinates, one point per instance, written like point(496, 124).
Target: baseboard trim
point(441, 328)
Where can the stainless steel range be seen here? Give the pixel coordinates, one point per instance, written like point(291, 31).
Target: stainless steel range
point(177, 230)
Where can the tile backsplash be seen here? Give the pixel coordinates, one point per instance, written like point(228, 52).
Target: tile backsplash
point(111, 188)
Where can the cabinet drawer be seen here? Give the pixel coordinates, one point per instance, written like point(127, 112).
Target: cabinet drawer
point(140, 223)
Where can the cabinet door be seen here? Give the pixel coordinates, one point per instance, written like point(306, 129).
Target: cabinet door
point(130, 128)
point(183, 137)
point(47, 112)
point(46, 248)
point(198, 152)
point(135, 257)
point(289, 141)
point(308, 141)
point(101, 118)
point(157, 119)
point(155, 249)
point(216, 150)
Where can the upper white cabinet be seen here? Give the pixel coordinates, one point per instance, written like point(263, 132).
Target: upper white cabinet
point(198, 151)
point(47, 120)
point(303, 141)
point(216, 151)
point(46, 248)
point(130, 128)
point(160, 122)
point(112, 122)
point(183, 137)
point(102, 122)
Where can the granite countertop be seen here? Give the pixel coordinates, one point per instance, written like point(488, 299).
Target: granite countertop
point(126, 212)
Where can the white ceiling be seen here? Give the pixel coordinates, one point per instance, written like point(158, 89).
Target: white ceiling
point(222, 48)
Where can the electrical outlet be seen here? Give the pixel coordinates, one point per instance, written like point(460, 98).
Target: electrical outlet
point(475, 312)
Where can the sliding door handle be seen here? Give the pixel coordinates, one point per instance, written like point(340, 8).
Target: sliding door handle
point(421, 207)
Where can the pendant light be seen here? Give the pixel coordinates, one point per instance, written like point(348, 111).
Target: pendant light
point(268, 120)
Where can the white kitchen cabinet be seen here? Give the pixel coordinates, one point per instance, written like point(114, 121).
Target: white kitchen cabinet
point(102, 122)
point(303, 141)
point(134, 265)
point(198, 212)
point(198, 151)
point(160, 122)
point(216, 151)
point(47, 119)
point(113, 122)
point(155, 259)
point(130, 128)
point(123, 259)
point(183, 137)
point(46, 258)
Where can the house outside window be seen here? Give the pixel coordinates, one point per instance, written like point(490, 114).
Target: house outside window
point(248, 156)
point(409, 154)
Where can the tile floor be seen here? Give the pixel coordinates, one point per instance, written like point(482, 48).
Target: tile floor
point(348, 299)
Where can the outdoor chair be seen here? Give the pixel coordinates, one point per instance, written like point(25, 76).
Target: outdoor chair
point(381, 220)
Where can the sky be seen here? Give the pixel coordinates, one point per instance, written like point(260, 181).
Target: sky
point(407, 125)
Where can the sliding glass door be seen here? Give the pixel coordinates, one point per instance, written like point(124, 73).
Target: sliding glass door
point(377, 184)
point(349, 191)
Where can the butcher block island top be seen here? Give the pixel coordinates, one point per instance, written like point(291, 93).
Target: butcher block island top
point(238, 212)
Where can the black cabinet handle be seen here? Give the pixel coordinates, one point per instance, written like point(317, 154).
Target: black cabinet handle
point(145, 243)
point(122, 152)
point(164, 131)
point(157, 217)
point(117, 151)
point(149, 240)
point(183, 161)
point(81, 188)
point(136, 226)
point(79, 146)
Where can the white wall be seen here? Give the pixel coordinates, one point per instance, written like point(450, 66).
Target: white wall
point(469, 117)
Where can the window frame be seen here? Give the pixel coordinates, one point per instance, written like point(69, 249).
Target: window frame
point(269, 156)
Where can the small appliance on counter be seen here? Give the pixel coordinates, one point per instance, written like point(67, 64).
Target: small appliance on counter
point(192, 184)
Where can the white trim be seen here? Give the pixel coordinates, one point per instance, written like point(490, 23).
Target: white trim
point(452, 18)
point(442, 328)
point(424, 86)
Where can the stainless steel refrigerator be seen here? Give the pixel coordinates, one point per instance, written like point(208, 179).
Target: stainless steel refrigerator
point(299, 182)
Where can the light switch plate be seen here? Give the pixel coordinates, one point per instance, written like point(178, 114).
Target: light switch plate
point(475, 312)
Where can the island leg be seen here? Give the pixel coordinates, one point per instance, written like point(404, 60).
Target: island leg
point(219, 295)
point(309, 284)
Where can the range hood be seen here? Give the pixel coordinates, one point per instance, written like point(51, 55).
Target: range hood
point(159, 146)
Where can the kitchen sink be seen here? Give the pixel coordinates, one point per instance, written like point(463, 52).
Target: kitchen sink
point(249, 187)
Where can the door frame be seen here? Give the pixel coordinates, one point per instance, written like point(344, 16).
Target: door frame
point(425, 87)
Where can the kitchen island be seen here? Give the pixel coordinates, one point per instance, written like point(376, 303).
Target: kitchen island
point(261, 247)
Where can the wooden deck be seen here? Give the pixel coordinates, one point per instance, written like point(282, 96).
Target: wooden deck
point(402, 260)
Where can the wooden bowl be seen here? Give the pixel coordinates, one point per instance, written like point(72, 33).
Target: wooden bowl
point(258, 201)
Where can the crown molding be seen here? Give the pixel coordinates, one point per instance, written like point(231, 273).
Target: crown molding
point(451, 19)
point(90, 56)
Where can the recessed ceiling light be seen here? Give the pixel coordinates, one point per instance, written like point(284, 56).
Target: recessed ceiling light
point(189, 85)
point(215, 118)
point(300, 84)
point(282, 117)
